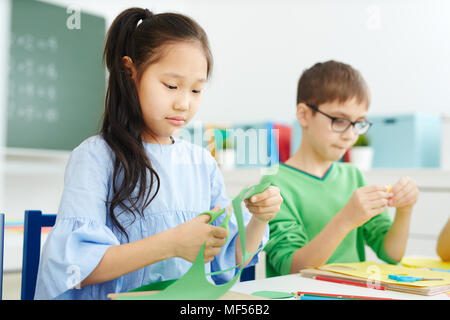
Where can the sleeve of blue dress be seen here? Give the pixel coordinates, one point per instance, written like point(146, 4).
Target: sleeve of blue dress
point(227, 257)
point(80, 237)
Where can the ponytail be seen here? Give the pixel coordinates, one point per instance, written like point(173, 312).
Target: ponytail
point(123, 122)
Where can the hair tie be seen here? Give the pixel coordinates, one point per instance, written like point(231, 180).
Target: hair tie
point(148, 14)
point(145, 15)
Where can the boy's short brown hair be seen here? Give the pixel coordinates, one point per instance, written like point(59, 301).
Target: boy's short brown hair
point(332, 81)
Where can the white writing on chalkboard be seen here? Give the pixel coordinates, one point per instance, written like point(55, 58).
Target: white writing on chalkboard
point(34, 97)
point(74, 20)
point(32, 43)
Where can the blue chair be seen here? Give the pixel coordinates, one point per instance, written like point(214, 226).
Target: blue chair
point(248, 274)
point(2, 242)
point(33, 222)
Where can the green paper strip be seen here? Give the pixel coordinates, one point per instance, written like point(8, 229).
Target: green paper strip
point(193, 284)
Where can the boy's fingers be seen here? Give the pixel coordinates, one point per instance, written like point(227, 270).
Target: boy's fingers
point(376, 211)
point(406, 198)
point(377, 195)
point(404, 191)
point(376, 188)
point(378, 203)
point(400, 184)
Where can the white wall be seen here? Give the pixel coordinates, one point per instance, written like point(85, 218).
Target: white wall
point(261, 47)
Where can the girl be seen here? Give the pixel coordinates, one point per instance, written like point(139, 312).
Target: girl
point(129, 213)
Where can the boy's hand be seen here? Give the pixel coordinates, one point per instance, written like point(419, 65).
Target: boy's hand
point(265, 205)
point(405, 194)
point(365, 203)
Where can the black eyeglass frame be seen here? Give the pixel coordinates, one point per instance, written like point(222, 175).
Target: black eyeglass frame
point(333, 119)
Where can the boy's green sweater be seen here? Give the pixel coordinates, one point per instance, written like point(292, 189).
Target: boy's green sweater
point(309, 203)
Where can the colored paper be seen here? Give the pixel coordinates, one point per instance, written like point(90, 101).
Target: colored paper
point(373, 271)
point(194, 284)
point(431, 263)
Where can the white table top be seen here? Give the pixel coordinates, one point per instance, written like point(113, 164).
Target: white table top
point(294, 282)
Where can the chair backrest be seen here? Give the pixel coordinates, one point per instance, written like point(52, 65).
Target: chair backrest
point(2, 247)
point(34, 220)
point(247, 274)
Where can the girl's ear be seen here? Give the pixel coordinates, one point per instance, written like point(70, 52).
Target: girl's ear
point(129, 66)
point(303, 114)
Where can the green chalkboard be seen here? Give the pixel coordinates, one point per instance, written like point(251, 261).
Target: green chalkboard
point(56, 76)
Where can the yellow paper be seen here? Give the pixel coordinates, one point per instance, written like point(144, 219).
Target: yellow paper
point(374, 271)
point(425, 263)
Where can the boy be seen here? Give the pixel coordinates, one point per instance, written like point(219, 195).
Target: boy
point(328, 212)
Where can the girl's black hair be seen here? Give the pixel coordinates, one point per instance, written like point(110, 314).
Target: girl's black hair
point(123, 122)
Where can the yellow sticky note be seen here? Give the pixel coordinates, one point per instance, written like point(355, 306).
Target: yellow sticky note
point(389, 188)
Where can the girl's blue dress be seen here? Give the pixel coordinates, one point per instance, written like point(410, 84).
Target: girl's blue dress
point(190, 183)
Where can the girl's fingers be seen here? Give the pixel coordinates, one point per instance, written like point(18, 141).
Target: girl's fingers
point(261, 210)
point(211, 252)
point(274, 200)
point(215, 242)
point(268, 193)
point(203, 218)
point(218, 232)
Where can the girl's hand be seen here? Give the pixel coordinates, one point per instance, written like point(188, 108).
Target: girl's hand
point(365, 203)
point(191, 235)
point(265, 205)
point(405, 194)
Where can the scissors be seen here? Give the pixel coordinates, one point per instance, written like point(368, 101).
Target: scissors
point(247, 193)
point(403, 278)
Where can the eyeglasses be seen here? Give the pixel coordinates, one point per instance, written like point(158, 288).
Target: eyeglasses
point(341, 124)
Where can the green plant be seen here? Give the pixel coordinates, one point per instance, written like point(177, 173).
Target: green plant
point(363, 141)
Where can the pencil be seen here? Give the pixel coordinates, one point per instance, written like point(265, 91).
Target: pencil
point(304, 297)
point(314, 294)
point(353, 283)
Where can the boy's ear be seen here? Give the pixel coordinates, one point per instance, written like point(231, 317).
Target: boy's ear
point(303, 114)
point(129, 66)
